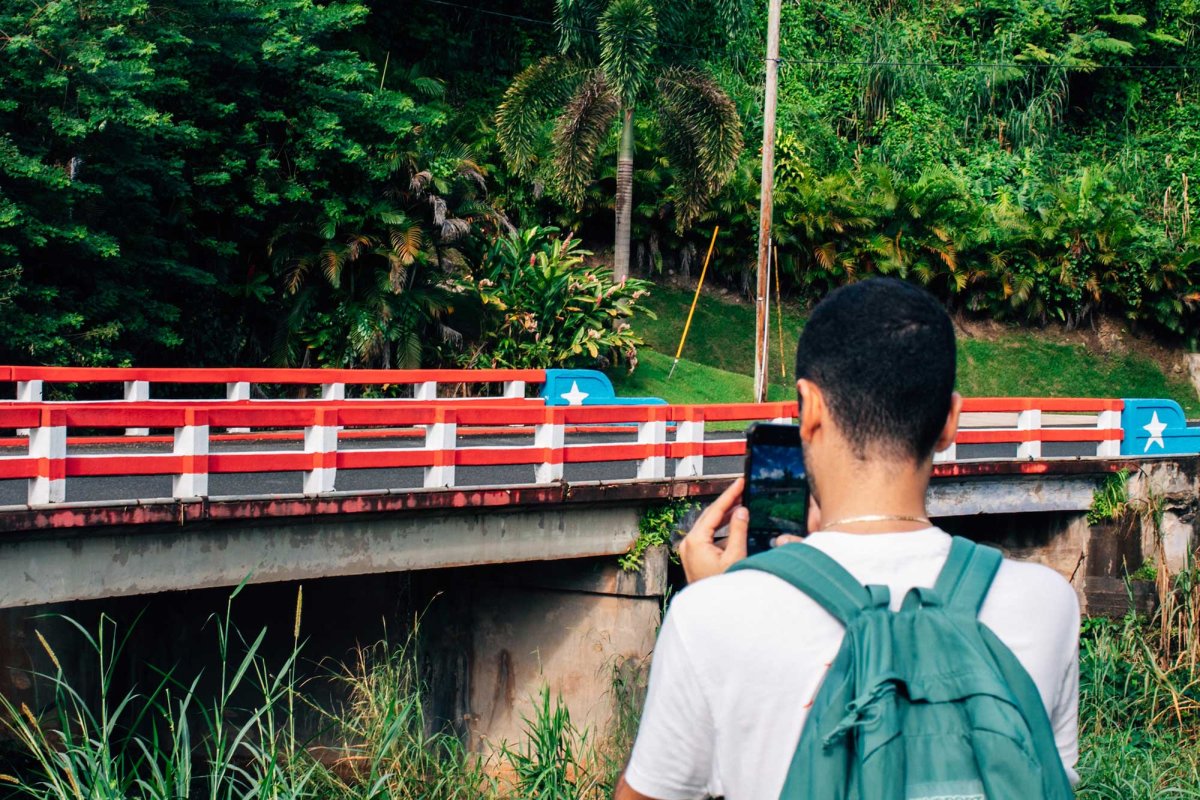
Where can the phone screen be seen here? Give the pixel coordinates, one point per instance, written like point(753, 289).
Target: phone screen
point(776, 485)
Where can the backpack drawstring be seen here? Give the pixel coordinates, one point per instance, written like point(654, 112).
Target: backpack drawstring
point(863, 710)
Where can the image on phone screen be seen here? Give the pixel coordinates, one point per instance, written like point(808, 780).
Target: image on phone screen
point(776, 485)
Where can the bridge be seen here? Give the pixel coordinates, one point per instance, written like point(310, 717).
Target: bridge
point(132, 483)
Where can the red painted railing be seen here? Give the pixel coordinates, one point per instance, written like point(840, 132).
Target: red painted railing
point(665, 439)
point(138, 381)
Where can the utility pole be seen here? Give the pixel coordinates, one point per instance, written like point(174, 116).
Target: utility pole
point(766, 206)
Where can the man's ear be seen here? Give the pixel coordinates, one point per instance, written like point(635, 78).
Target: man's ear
point(950, 429)
point(812, 409)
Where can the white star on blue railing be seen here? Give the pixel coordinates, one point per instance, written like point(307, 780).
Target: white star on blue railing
point(574, 397)
point(1155, 429)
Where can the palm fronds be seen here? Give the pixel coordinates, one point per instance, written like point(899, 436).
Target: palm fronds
point(528, 104)
point(701, 134)
point(582, 128)
point(628, 39)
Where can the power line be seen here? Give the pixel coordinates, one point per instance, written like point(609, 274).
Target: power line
point(814, 62)
point(964, 65)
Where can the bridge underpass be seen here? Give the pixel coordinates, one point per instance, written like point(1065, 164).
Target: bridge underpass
point(506, 540)
point(519, 585)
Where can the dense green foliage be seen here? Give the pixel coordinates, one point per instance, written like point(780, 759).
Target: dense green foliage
point(718, 359)
point(151, 156)
point(286, 181)
point(610, 66)
point(1046, 184)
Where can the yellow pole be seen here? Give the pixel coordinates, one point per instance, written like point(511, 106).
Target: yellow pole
point(695, 299)
point(779, 309)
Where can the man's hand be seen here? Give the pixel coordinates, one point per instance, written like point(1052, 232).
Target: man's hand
point(814, 524)
point(700, 555)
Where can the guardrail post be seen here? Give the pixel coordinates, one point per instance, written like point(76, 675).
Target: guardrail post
point(949, 454)
point(237, 391)
point(191, 444)
point(48, 444)
point(690, 431)
point(1030, 420)
point(514, 389)
point(28, 392)
point(321, 440)
point(550, 436)
point(426, 390)
point(441, 438)
point(333, 391)
point(1109, 420)
point(653, 432)
point(137, 392)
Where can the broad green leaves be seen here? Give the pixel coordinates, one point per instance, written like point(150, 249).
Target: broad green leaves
point(542, 306)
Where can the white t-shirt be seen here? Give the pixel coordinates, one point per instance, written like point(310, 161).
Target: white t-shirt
point(740, 658)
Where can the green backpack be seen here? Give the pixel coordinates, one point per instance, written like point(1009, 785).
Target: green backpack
point(921, 704)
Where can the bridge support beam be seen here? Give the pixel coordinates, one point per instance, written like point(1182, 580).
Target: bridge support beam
point(137, 560)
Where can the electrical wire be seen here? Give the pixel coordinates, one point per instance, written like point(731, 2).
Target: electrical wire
point(965, 65)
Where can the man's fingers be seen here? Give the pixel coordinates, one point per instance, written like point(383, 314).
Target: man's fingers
point(735, 546)
point(786, 538)
point(714, 515)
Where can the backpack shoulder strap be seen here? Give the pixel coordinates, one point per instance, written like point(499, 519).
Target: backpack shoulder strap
point(817, 575)
point(965, 579)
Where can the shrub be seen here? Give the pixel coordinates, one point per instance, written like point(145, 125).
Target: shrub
point(542, 306)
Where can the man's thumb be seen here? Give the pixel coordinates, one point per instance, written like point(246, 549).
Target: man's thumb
point(739, 525)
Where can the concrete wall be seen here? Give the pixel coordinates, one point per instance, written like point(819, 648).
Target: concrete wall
point(1169, 488)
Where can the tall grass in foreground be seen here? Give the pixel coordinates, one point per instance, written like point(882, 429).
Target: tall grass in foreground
point(143, 745)
point(1140, 697)
point(387, 750)
point(170, 741)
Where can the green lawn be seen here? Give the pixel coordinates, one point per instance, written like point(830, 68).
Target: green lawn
point(691, 383)
point(1023, 363)
point(718, 360)
point(722, 334)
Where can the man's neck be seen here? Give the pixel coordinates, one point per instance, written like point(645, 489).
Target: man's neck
point(876, 489)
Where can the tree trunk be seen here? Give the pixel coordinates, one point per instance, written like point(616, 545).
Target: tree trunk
point(624, 199)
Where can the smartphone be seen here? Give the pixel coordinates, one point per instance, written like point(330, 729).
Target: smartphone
point(776, 490)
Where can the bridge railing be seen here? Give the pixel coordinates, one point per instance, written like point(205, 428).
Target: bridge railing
point(435, 437)
point(1030, 423)
point(438, 451)
point(138, 382)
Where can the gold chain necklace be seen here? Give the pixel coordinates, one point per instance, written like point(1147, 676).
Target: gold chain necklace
point(875, 518)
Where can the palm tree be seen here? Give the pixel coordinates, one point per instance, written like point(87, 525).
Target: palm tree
point(381, 297)
point(609, 66)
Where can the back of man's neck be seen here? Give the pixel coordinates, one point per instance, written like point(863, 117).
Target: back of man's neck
point(877, 497)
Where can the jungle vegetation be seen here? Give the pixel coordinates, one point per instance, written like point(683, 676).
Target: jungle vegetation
point(290, 182)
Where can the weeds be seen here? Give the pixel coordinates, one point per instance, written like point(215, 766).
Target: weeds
point(1140, 694)
point(170, 743)
point(387, 751)
point(655, 528)
point(1111, 500)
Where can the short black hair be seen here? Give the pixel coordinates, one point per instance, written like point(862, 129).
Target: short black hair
point(882, 353)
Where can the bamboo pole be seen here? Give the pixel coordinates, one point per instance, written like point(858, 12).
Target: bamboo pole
point(695, 299)
point(779, 315)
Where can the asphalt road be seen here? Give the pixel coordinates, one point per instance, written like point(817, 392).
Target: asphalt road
point(244, 484)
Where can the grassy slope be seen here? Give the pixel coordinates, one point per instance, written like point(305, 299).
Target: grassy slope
point(719, 356)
